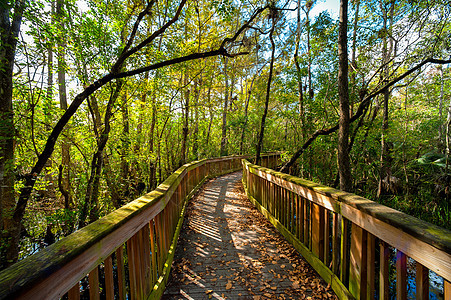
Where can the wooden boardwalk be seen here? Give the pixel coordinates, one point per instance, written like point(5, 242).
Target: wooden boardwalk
point(228, 250)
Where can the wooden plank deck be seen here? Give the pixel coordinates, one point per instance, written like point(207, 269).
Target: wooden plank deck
point(228, 250)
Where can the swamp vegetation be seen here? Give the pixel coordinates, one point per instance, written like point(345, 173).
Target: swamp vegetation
point(101, 100)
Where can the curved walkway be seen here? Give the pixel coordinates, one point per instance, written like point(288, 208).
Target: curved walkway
point(228, 250)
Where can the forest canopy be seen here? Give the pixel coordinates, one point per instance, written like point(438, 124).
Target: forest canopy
point(101, 100)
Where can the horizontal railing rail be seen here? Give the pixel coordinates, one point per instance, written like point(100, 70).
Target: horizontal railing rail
point(124, 255)
point(358, 246)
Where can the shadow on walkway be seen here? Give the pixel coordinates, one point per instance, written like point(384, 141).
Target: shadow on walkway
point(228, 250)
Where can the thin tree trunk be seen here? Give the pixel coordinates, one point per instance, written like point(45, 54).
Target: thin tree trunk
point(90, 206)
point(298, 69)
point(50, 189)
point(344, 166)
point(152, 166)
point(125, 172)
point(224, 111)
point(65, 146)
point(268, 90)
point(207, 140)
point(308, 6)
point(183, 149)
point(196, 120)
point(440, 109)
point(354, 59)
point(385, 169)
point(246, 107)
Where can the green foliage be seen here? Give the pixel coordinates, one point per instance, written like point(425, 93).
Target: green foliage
point(152, 106)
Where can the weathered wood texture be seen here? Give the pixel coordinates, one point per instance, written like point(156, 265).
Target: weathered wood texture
point(345, 256)
point(148, 227)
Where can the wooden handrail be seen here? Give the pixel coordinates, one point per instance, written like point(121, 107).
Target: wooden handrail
point(138, 239)
point(340, 234)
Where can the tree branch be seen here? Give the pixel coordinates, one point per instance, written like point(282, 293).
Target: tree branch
point(117, 66)
point(30, 178)
point(360, 109)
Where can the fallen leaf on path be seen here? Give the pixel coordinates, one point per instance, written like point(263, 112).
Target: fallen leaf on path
point(229, 285)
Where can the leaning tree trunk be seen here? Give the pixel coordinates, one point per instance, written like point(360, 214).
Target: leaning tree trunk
point(90, 206)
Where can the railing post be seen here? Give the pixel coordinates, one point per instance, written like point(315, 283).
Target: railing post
point(383, 271)
point(358, 261)
point(120, 272)
point(109, 280)
point(422, 281)
point(74, 292)
point(401, 276)
point(336, 234)
point(93, 279)
point(344, 251)
point(318, 230)
point(371, 268)
point(447, 289)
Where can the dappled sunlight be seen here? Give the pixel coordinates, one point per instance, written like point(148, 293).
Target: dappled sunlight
point(228, 250)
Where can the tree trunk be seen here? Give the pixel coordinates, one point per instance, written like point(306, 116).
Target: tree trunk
point(185, 124)
point(125, 173)
point(224, 141)
point(440, 109)
point(353, 58)
point(298, 69)
point(65, 146)
point(196, 120)
point(152, 184)
point(9, 225)
point(90, 206)
point(50, 188)
point(385, 169)
point(344, 166)
point(210, 110)
point(246, 107)
point(308, 7)
point(268, 90)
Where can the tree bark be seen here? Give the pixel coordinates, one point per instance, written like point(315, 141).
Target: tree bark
point(183, 149)
point(9, 226)
point(196, 120)
point(125, 151)
point(440, 109)
point(152, 184)
point(308, 7)
point(10, 238)
point(360, 110)
point(353, 57)
point(65, 146)
point(224, 111)
point(90, 206)
point(246, 118)
point(344, 166)
point(268, 90)
point(298, 69)
point(385, 158)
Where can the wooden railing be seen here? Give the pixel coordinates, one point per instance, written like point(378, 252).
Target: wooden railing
point(352, 242)
point(124, 255)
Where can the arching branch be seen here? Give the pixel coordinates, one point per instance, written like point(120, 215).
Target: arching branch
point(360, 110)
point(31, 177)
